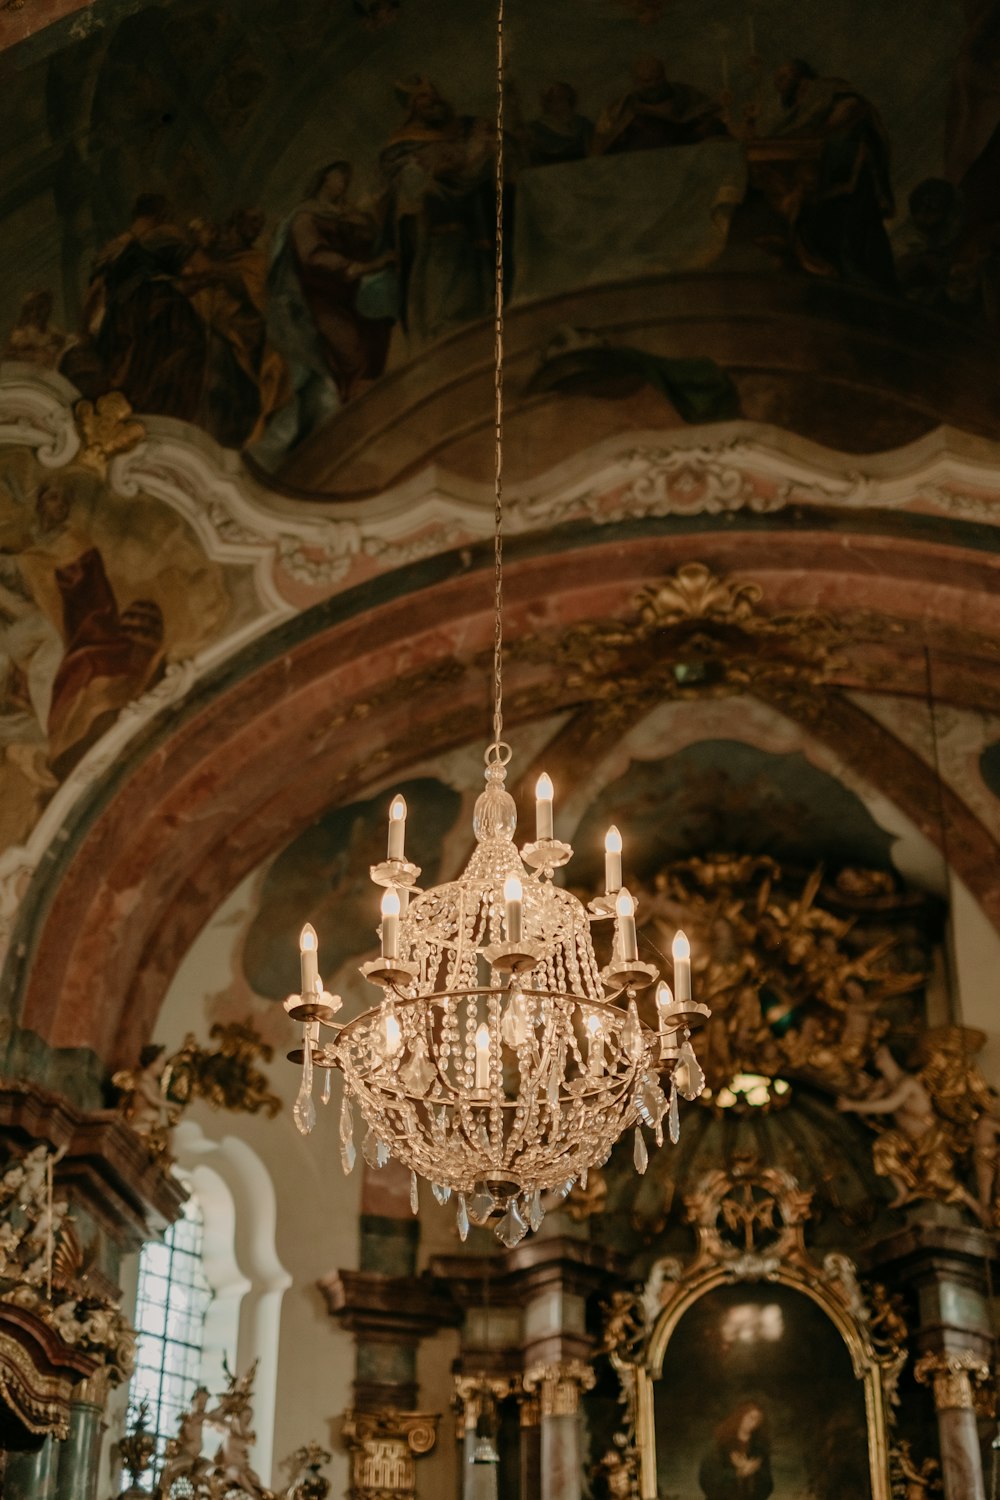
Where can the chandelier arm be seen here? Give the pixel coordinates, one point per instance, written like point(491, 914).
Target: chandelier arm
point(499, 411)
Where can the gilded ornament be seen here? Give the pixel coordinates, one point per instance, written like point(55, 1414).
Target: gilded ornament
point(107, 428)
point(953, 1376)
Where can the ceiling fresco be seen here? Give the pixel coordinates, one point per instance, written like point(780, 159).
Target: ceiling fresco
point(252, 223)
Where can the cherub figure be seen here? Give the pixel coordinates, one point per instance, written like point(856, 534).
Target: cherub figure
point(918, 1152)
point(144, 1102)
point(183, 1455)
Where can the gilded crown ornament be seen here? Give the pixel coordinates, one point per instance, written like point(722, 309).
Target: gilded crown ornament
point(503, 1062)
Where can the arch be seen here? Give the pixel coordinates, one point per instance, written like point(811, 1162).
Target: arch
point(333, 702)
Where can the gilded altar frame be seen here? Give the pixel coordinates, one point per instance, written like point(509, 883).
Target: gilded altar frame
point(638, 1333)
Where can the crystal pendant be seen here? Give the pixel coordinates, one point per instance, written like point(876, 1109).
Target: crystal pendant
point(324, 1093)
point(348, 1155)
point(511, 1229)
point(462, 1219)
point(536, 1212)
point(481, 1205)
point(688, 1075)
point(419, 1073)
point(304, 1111)
point(639, 1153)
point(632, 1035)
point(563, 1190)
point(375, 1152)
point(414, 1195)
point(651, 1101)
point(442, 1194)
point(514, 1026)
point(675, 1117)
point(584, 1175)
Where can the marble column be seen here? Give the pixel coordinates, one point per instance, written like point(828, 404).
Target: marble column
point(559, 1387)
point(952, 1375)
point(80, 1452)
point(477, 1398)
point(32, 1476)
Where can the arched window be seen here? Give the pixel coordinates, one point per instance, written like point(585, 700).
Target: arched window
point(171, 1302)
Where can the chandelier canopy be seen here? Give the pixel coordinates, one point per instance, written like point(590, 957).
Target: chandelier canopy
point(503, 1062)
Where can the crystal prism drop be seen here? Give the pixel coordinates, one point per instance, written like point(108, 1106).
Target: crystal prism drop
point(651, 1101)
point(514, 1026)
point(324, 1093)
point(536, 1212)
point(563, 1190)
point(419, 1073)
point(375, 1152)
point(639, 1153)
point(481, 1205)
point(442, 1194)
point(632, 1035)
point(583, 1179)
point(462, 1220)
point(511, 1229)
point(688, 1076)
point(675, 1117)
point(414, 1195)
point(348, 1156)
point(304, 1112)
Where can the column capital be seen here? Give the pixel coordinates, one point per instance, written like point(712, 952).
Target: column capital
point(384, 1446)
point(560, 1385)
point(953, 1374)
point(474, 1392)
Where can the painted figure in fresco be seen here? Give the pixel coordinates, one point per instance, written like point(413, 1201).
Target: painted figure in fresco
point(738, 1464)
point(243, 380)
point(33, 340)
point(141, 333)
point(656, 112)
point(944, 262)
point(106, 656)
point(833, 189)
point(438, 169)
point(331, 243)
point(560, 133)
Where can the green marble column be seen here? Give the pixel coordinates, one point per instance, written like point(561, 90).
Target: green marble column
point(32, 1476)
point(80, 1454)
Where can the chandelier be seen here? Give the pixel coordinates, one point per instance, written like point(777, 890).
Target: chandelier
point(502, 1063)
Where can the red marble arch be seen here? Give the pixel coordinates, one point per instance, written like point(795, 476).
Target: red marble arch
point(244, 773)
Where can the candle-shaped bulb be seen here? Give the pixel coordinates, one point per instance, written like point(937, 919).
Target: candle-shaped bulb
point(543, 807)
point(482, 1056)
point(513, 895)
point(392, 1036)
point(593, 1023)
point(397, 826)
point(309, 958)
point(628, 944)
point(612, 860)
point(390, 923)
point(681, 950)
point(664, 997)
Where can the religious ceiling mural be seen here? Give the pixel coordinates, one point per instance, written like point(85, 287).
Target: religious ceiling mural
point(252, 224)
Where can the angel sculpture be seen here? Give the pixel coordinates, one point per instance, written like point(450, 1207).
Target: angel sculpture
point(145, 1104)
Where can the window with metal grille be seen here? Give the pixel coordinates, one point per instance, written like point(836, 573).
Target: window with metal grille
point(172, 1299)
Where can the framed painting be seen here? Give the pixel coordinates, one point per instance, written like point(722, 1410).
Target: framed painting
point(755, 1396)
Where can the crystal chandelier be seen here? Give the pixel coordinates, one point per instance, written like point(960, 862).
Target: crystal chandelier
point(502, 1063)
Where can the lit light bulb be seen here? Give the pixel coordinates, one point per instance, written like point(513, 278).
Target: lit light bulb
point(627, 941)
point(681, 950)
point(390, 923)
point(309, 958)
point(543, 807)
point(392, 1036)
point(513, 895)
point(612, 861)
point(397, 827)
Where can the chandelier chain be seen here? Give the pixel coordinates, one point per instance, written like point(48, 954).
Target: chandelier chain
point(498, 393)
